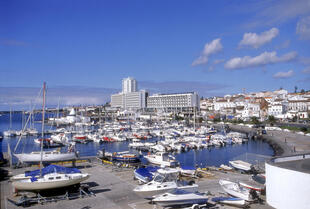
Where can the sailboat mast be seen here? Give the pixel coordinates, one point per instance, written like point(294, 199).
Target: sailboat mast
point(42, 130)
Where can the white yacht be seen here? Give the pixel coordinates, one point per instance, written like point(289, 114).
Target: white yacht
point(162, 159)
point(164, 181)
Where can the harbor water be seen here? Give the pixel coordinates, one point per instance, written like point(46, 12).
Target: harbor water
point(212, 156)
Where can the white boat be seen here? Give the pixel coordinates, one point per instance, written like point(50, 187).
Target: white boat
point(50, 181)
point(180, 197)
point(236, 190)
point(225, 167)
point(164, 181)
point(162, 159)
point(241, 165)
point(47, 156)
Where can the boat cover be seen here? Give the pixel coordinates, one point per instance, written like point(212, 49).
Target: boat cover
point(147, 172)
point(52, 169)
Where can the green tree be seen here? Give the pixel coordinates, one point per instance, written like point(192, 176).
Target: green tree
point(271, 119)
point(302, 91)
point(254, 120)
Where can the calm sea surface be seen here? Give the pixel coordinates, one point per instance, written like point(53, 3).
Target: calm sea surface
point(203, 157)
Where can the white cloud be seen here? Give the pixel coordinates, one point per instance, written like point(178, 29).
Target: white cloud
point(306, 70)
point(287, 74)
point(209, 48)
point(262, 59)
point(257, 40)
point(303, 28)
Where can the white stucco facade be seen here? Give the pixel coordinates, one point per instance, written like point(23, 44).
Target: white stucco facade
point(287, 188)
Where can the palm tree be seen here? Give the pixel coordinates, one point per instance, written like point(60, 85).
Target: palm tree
point(271, 119)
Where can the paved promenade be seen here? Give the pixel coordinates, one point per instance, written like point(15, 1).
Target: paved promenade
point(284, 143)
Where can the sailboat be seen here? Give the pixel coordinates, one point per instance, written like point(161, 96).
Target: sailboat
point(10, 132)
point(46, 156)
point(50, 180)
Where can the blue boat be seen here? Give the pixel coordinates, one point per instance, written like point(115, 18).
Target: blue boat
point(145, 174)
point(125, 157)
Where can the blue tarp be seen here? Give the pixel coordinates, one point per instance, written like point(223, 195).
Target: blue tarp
point(52, 169)
point(147, 172)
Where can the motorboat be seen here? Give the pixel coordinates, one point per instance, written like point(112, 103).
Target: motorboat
point(234, 201)
point(179, 197)
point(125, 157)
point(162, 159)
point(236, 190)
point(164, 181)
point(145, 174)
point(187, 170)
point(241, 165)
point(252, 185)
point(225, 167)
point(49, 181)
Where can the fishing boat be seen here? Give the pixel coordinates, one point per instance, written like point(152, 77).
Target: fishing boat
point(236, 190)
point(125, 157)
point(162, 159)
point(241, 165)
point(145, 174)
point(164, 181)
point(51, 180)
point(179, 197)
point(234, 201)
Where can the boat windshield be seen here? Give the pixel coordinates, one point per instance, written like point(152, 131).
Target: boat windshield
point(166, 178)
point(159, 178)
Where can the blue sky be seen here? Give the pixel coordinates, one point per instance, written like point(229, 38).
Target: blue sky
point(213, 47)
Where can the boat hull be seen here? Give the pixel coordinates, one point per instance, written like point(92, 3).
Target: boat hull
point(35, 157)
point(27, 185)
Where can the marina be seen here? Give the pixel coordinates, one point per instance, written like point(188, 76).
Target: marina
point(208, 166)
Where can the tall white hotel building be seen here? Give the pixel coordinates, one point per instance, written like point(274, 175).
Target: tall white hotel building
point(132, 99)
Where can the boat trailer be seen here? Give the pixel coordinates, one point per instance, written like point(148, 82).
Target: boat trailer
point(25, 201)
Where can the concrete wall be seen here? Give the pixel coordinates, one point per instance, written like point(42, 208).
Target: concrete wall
point(287, 188)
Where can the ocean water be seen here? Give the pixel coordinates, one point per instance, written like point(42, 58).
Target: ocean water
point(213, 156)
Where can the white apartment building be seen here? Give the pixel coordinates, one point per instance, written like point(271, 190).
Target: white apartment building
point(251, 110)
point(171, 102)
point(129, 85)
point(275, 109)
point(224, 104)
point(129, 98)
point(299, 105)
